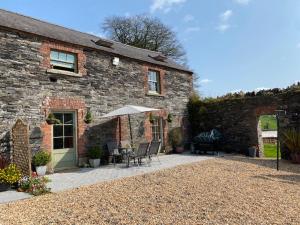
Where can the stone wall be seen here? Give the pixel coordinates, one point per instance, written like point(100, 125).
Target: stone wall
point(237, 118)
point(25, 85)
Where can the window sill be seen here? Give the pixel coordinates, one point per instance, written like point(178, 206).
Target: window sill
point(62, 72)
point(154, 94)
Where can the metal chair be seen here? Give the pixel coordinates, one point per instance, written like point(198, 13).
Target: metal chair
point(113, 150)
point(154, 150)
point(140, 153)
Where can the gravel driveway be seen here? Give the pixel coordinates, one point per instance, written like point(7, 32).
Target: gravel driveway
point(229, 190)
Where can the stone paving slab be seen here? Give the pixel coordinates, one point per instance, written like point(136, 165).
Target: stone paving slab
point(86, 176)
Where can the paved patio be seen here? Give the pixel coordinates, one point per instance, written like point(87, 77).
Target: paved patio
point(87, 176)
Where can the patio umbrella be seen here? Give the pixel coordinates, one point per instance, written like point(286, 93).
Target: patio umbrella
point(129, 110)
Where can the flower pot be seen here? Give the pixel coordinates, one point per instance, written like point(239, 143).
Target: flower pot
point(41, 170)
point(295, 158)
point(4, 187)
point(179, 149)
point(252, 152)
point(94, 162)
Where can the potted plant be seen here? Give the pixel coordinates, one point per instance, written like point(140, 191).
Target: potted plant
point(151, 118)
point(252, 151)
point(291, 139)
point(40, 160)
point(88, 117)
point(176, 139)
point(9, 176)
point(94, 155)
point(51, 119)
point(170, 118)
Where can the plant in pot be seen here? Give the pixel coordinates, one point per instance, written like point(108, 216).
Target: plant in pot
point(151, 118)
point(88, 117)
point(40, 160)
point(170, 118)
point(51, 119)
point(94, 155)
point(9, 176)
point(291, 139)
point(176, 139)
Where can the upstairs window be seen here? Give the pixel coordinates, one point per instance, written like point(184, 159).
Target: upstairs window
point(63, 61)
point(154, 82)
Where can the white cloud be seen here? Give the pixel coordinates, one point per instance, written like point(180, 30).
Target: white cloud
point(236, 91)
point(242, 2)
point(164, 5)
point(188, 18)
point(225, 16)
point(223, 27)
point(192, 29)
point(224, 24)
point(205, 81)
point(261, 88)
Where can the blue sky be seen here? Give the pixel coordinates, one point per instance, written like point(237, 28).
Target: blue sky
point(232, 44)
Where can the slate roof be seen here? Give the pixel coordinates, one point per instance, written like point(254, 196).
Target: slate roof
point(34, 26)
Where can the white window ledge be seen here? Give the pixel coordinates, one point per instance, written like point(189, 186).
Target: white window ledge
point(155, 94)
point(63, 72)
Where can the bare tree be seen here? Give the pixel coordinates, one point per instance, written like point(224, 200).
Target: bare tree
point(145, 32)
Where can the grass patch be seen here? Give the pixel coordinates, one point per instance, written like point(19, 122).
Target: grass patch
point(270, 151)
point(268, 122)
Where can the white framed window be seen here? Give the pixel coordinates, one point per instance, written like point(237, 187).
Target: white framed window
point(63, 61)
point(154, 81)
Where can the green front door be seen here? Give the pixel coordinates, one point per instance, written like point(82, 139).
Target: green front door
point(64, 145)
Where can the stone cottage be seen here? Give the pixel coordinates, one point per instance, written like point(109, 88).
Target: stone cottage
point(45, 68)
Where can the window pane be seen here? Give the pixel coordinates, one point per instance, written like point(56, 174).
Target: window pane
point(70, 58)
point(62, 56)
point(58, 143)
point(68, 130)
point(54, 55)
point(68, 142)
point(57, 131)
point(62, 64)
point(68, 118)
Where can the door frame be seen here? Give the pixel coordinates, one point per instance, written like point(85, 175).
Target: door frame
point(74, 112)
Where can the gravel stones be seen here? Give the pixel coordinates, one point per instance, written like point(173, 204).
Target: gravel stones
point(229, 190)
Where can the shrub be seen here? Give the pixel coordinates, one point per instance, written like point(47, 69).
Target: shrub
point(10, 175)
point(88, 117)
point(176, 137)
point(34, 185)
point(95, 152)
point(51, 119)
point(41, 158)
point(292, 140)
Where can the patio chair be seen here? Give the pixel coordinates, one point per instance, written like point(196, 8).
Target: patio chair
point(139, 153)
point(113, 150)
point(154, 150)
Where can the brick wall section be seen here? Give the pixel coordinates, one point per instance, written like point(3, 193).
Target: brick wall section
point(47, 46)
point(77, 105)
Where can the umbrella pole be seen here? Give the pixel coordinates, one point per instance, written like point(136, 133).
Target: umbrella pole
point(130, 130)
point(120, 132)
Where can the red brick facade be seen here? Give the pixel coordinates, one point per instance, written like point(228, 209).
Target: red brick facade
point(45, 52)
point(161, 71)
point(75, 105)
